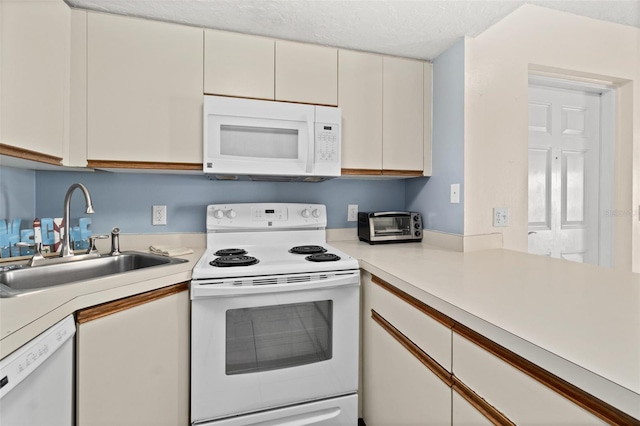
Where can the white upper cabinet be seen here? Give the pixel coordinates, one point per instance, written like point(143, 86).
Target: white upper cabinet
point(145, 86)
point(239, 65)
point(34, 77)
point(360, 98)
point(402, 114)
point(427, 121)
point(306, 73)
point(386, 114)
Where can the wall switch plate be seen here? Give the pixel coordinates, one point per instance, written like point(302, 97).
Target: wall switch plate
point(159, 215)
point(455, 193)
point(500, 217)
point(352, 213)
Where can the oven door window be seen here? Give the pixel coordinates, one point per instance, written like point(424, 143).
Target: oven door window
point(276, 337)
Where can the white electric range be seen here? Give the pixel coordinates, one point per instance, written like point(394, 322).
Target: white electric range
point(274, 320)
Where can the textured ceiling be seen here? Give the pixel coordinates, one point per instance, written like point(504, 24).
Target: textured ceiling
point(417, 28)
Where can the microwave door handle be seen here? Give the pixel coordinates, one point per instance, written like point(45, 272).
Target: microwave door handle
point(311, 146)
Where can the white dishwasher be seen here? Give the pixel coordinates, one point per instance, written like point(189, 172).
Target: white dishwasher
point(36, 381)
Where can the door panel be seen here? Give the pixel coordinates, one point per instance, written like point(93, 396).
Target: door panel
point(564, 151)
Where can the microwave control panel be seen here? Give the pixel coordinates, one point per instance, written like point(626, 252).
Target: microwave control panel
point(327, 143)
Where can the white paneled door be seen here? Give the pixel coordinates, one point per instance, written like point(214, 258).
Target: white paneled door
point(564, 151)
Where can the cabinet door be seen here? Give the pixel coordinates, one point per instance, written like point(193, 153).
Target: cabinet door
point(522, 399)
point(360, 98)
point(402, 114)
point(306, 73)
point(465, 414)
point(238, 65)
point(145, 86)
point(427, 121)
point(397, 388)
point(34, 78)
point(133, 364)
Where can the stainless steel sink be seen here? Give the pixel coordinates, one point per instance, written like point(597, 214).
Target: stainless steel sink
point(20, 281)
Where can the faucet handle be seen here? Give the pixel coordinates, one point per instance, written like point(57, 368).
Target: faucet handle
point(37, 251)
point(92, 243)
point(115, 241)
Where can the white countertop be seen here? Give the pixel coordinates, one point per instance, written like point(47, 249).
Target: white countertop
point(24, 317)
point(581, 322)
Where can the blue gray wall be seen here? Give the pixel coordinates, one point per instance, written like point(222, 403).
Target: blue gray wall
point(125, 199)
point(17, 193)
point(432, 199)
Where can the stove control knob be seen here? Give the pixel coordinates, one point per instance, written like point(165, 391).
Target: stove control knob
point(316, 213)
point(231, 214)
point(305, 213)
point(218, 214)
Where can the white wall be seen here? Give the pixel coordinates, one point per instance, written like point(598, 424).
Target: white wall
point(497, 64)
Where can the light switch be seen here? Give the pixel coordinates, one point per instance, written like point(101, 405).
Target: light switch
point(455, 193)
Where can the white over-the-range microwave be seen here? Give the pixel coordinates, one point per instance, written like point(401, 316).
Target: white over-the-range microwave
point(268, 140)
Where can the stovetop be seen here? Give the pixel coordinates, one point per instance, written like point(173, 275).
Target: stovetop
point(272, 260)
point(252, 239)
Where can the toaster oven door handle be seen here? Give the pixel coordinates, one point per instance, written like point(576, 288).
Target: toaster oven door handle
point(382, 214)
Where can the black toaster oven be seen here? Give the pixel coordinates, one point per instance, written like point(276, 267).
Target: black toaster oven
point(389, 227)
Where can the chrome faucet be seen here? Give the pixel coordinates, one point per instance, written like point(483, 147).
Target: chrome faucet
point(66, 243)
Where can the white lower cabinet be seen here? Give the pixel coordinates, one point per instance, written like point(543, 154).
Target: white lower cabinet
point(397, 388)
point(133, 360)
point(465, 414)
point(519, 397)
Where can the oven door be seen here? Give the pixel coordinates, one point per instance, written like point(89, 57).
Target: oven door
point(264, 346)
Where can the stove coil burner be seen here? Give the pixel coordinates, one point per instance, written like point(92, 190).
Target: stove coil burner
point(323, 257)
point(227, 261)
point(307, 250)
point(230, 252)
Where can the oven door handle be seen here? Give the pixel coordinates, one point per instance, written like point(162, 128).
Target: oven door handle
point(208, 288)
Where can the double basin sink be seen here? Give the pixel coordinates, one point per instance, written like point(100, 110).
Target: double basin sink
point(29, 279)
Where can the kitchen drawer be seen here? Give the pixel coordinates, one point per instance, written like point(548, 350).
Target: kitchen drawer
point(430, 335)
point(521, 398)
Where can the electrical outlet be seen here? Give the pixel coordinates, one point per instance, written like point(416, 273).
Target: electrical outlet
point(500, 217)
point(352, 213)
point(455, 193)
point(159, 215)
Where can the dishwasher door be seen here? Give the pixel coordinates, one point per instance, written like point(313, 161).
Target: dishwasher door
point(36, 381)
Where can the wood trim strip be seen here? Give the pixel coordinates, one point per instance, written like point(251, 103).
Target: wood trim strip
point(148, 165)
point(415, 350)
point(480, 404)
point(409, 173)
point(362, 172)
point(26, 154)
point(418, 304)
point(596, 406)
point(105, 309)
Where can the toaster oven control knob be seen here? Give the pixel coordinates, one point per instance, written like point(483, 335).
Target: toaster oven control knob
point(305, 213)
point(231, 214)
point(218, 214)
point(417, 225)
point(417, 234)
point(316, 213)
